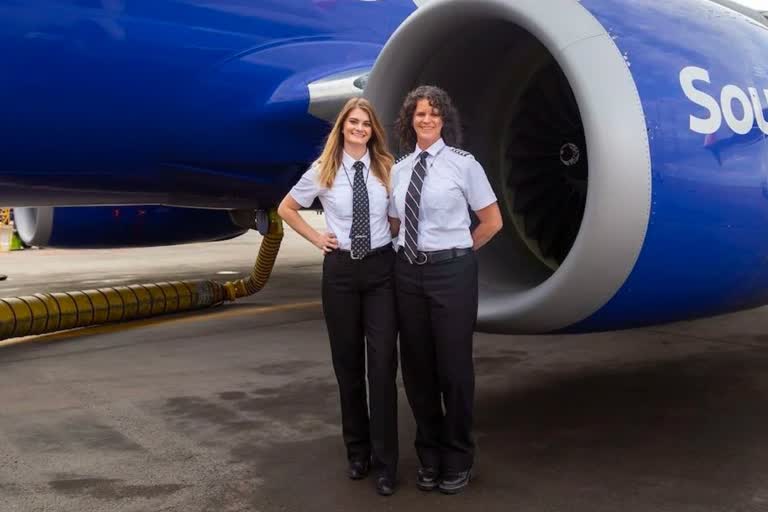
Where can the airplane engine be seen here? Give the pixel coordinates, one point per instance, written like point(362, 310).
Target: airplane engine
point(100, 227)
point(595, 122)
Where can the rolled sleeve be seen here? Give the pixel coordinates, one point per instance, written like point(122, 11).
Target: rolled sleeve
point(479, 192)
point(307, 189)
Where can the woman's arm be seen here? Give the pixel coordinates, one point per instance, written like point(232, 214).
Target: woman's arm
point(490, 224)
point(289, 211)
point(394, 226)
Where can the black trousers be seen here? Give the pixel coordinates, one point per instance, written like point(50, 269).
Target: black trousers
point(359, 307)
point(437, 307)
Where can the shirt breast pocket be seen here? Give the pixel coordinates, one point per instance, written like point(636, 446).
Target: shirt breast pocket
point(341, 203)
point(443, 194)
point(378, 200)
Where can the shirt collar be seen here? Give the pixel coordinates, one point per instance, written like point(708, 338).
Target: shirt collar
point(349, 161)
point(433, 150)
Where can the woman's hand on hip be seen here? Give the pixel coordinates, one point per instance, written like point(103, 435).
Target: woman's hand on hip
point(289, 211)
point(326, 242)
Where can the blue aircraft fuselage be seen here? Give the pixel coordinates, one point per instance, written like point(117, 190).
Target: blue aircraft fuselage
point(185, 102)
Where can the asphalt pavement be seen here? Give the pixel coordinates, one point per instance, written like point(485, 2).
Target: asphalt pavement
point(236, 409)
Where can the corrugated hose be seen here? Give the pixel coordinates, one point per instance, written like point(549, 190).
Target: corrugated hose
point(50, 312)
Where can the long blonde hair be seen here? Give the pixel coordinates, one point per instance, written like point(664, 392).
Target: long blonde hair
point(330, 159)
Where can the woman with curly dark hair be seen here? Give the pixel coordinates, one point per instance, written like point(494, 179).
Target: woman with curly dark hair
point(436, 281)
point(439, 100)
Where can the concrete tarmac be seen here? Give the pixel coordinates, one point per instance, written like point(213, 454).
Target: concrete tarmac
point(236, 409)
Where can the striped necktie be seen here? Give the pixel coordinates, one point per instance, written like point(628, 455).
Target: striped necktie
point(360, 234)
point(412, 203)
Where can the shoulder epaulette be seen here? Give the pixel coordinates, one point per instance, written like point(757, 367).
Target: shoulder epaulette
point(403, 158)
point(460, 152)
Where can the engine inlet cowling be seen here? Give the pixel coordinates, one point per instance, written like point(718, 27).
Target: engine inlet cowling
point(549, 134)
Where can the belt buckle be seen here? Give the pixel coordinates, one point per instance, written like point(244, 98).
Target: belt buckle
point(352, 255)
point(418, 262)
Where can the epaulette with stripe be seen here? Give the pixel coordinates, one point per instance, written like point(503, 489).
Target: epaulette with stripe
point(460, 152)
point(403, 157)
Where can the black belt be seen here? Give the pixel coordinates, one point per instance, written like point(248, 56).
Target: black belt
point(435, 256)
point(373, 252)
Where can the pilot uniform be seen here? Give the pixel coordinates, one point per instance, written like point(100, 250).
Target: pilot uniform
point(437, 297)
point(359, 306)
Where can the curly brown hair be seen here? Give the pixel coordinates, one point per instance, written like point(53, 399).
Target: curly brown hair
point(440, 101)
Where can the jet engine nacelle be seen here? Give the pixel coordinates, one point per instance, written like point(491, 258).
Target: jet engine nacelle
point(618, 211)
point(99, 227)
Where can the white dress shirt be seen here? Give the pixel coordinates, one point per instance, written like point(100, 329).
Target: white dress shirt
point(455, 182)
point(337, 201)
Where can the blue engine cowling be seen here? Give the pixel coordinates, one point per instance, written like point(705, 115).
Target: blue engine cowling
point(122, 226)
point(626, 142)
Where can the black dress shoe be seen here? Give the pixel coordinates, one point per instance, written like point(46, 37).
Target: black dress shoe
point(358, 469)
point(427, 478)
point(385, 485)
point(453, 482)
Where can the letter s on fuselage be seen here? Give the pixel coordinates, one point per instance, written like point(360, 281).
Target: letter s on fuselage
point(752, 109)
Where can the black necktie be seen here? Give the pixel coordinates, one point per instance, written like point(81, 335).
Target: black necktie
point(360, 234)
point(412, 203)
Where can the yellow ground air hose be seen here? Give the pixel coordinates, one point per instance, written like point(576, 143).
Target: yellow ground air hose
point(49, 312)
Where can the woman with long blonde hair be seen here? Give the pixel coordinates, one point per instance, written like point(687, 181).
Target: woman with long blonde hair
point(351, 179)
